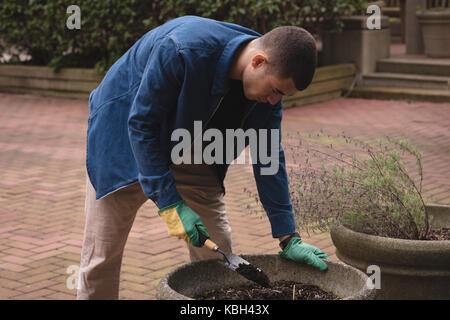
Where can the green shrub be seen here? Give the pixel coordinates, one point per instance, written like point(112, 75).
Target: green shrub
point(110, 27)
point(367, 187)
point(364, 186)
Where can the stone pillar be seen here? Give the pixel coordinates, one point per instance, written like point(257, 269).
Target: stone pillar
point(357, 44)
point(414, 39)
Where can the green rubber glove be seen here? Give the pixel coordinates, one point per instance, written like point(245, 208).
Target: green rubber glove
point(298, 251)
point(182, 222)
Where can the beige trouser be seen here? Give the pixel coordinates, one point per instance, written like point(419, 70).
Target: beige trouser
point(109, 220)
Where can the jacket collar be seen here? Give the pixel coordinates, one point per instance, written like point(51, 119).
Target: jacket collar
point(221, 83)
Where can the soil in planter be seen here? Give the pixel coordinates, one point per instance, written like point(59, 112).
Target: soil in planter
point(282, 290)
point(439, 234)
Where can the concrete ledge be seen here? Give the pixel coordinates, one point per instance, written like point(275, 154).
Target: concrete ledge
point(68, 83)
point(415, 66)
point(328, 83)
point(403, 80)
point(388, 93)
point(47, 93)
point(82, 74)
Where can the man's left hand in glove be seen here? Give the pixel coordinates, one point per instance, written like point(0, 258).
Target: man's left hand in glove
point(296, 250)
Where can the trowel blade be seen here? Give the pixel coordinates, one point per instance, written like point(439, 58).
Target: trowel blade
point(247, 270)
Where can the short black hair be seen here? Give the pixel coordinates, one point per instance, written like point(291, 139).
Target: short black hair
point(292, 54)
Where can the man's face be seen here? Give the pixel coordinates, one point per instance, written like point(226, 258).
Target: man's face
point(261, 86)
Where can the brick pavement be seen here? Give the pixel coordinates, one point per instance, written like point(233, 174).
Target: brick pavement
point(42, 187)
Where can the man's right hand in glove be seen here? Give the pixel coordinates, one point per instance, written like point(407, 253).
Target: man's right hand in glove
point(182, 222)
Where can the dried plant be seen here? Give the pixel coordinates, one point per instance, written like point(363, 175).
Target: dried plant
point(363, 186)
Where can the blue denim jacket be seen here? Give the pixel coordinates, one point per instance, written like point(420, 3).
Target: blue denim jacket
point(174, 75)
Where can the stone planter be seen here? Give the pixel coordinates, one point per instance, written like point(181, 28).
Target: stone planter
point(197, 277)
point(357, 44)
point(409, 269)
point(435, 26)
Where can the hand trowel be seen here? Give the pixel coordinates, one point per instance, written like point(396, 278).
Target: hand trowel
point(238, 264)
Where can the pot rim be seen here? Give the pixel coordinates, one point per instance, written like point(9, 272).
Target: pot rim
point(165, 291)
point(386, 251)
point(402, 242)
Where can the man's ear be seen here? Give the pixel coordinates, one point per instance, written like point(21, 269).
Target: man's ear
point(258, 60)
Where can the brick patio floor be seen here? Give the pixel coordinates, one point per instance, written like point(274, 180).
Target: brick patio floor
point(42, 188)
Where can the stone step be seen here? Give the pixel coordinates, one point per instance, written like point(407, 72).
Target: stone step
point(403, 80)
point(415, 66)
point(409, 94)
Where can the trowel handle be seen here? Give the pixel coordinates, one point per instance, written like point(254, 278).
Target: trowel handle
point(214, 247)
point(211, 245)
point(206, 242)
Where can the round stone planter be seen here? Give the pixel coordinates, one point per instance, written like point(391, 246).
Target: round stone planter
point(435, 26)
point(409, 269)
point(192, 279)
